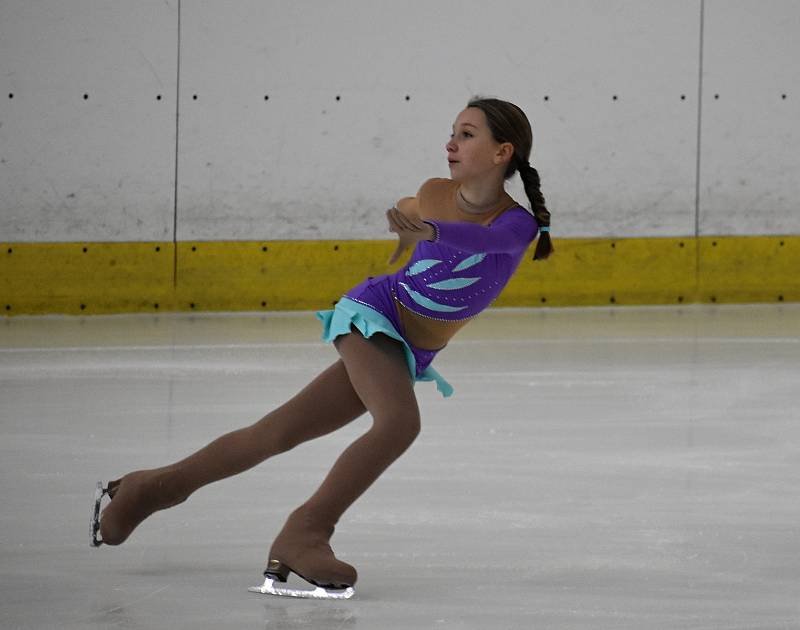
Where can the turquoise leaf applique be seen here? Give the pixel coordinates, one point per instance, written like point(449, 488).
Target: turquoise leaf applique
point(422, 265)
point(469, 262)
point(428, 303)
point(455, 283)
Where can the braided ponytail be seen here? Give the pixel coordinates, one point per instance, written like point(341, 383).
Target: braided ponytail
point(509, 123)
point(530, 178)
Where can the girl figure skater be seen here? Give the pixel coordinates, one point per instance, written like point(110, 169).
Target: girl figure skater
point(468, 237)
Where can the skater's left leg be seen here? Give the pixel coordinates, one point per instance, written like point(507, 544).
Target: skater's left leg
point(379, 374)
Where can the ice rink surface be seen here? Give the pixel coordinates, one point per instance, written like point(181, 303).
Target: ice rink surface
point(596, 468)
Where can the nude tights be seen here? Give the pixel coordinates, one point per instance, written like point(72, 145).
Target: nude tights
point(371, 375)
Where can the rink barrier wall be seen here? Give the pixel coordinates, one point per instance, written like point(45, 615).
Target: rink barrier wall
point(104, 278)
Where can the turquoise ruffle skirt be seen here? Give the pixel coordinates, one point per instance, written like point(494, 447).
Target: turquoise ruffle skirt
point(368, 321)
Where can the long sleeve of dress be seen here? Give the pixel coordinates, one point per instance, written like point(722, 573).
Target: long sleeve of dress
point(511, 232)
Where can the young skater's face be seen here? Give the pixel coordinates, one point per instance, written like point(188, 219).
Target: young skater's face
point(472, 151)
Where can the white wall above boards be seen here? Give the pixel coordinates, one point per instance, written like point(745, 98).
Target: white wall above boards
point(750, 151)
point(295, 122)
point(268, 151)
point(87, 120)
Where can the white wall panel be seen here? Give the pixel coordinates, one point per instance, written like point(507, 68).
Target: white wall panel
point(100, 168)
point(750, 168)
point(304, 165)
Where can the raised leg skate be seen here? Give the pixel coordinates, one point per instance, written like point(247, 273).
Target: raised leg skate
point(134, 498)
point(94, 520)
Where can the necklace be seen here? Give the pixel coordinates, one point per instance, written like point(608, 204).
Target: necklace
point(479, 209)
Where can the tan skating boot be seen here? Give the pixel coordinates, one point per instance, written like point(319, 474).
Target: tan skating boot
point(135, 497)
point(302, 547)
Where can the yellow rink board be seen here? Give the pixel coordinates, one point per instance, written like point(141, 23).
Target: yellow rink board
point(80, 278)
point(93, 278)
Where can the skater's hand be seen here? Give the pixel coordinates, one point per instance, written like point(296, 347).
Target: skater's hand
point(409, 231)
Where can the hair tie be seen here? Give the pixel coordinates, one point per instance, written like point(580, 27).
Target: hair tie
point(544, 228)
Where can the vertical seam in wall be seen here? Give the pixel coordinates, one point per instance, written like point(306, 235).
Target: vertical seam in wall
point(699, 140)
point(177, 139)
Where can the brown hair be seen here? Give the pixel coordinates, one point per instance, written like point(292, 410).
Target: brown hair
point(508, 123)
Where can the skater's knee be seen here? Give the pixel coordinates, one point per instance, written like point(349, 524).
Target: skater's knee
point(274, 433)
point(400, 428)
point(283, 439)
point(412, 427)
point(284, 436)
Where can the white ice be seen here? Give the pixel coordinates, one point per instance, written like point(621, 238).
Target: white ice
point(596, 468)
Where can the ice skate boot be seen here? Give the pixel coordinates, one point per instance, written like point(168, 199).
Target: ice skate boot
point(133, 498)
point(302, 548)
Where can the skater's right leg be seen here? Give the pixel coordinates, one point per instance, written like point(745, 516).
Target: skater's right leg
point(324, 405)
point(379, 373)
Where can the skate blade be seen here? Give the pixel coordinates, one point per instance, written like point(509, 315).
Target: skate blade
point(269, 588)
point(99, 493)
